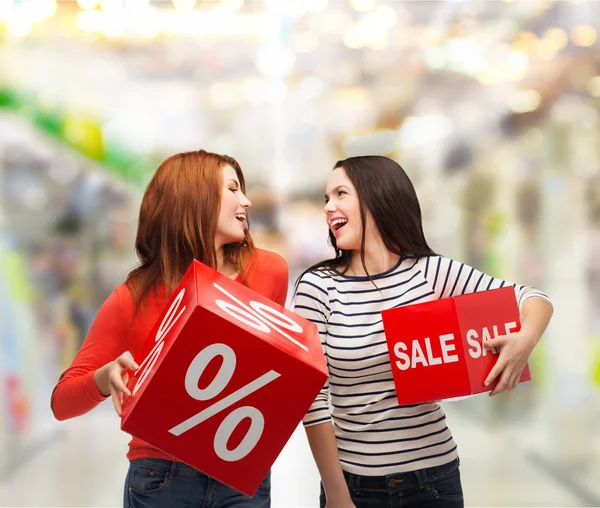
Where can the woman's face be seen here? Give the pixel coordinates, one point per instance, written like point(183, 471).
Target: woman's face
point(342, 211)
point(231, 225)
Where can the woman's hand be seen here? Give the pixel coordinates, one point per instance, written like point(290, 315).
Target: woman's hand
point(514, 353)
point(113, 377)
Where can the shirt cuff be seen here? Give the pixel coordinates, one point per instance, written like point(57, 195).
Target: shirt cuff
point(316, 416)
point(310, 423)
point(91, 389)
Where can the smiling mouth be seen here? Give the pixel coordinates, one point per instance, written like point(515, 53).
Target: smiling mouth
point(338, 224)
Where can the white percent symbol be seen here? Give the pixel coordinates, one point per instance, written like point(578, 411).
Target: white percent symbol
point(260, 316)
point(217, 385)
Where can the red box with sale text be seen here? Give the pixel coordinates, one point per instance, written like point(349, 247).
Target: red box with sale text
point(436, 348)
point(225, 378)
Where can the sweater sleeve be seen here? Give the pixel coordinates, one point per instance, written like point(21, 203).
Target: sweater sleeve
point(76, 392)
point(452, 278)
point(311, 301)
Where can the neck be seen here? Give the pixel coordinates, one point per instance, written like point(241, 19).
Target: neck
point(377, 260)
point(223, 266)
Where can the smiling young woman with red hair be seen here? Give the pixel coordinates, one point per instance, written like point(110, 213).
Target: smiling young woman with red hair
point(193, 208)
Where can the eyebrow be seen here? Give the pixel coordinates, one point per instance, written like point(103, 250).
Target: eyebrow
point(335, 189)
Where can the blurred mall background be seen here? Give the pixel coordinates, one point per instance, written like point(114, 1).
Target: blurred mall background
point(492, 107)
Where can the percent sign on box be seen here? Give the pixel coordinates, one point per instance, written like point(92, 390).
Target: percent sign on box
point(233, 419)
point(259, 316)
point(262, 353)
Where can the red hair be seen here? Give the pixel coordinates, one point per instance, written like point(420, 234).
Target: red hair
point(178, 222)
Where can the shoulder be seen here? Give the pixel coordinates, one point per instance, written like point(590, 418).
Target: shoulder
point(122, 298)
point(267, 274)
point(443, 273)
point(318, 279)
point(119, 296)
point(268, 263)
point(428, 260)
point(117, 308)
point(266, 269)
point(432, 264)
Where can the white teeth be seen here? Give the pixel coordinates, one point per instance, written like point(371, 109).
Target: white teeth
point(337, 222)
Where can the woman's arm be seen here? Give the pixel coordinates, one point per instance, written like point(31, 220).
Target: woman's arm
point(516, 348)
point(323, 446)
point(448, 277)
point(77, 391)
point(311, 301)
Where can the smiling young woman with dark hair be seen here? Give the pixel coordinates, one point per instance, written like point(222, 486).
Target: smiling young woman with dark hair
point(371, 452)
point(193, 208)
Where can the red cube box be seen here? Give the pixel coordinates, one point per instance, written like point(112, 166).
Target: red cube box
point(225, 377)
point(436, 348)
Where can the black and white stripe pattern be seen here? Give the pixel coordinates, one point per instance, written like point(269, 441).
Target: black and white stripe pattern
point(376, 436)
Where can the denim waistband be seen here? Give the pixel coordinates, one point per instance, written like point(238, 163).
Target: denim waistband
point(399, 481)
point(172, 468)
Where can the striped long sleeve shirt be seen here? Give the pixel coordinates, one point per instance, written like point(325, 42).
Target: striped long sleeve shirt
point(375, 435)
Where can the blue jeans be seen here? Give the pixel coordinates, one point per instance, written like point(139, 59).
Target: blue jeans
point(438, 486)
point(158, 483)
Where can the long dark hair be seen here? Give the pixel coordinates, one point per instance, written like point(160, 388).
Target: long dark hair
point(386, 192)
point(178, 222)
